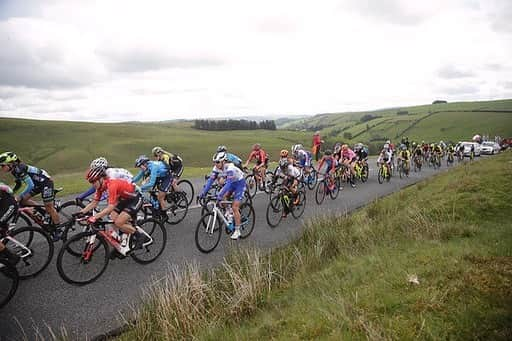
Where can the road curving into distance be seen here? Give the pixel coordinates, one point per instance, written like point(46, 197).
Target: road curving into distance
point(48, 302)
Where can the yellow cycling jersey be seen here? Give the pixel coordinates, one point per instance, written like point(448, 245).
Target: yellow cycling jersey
point(405, 154)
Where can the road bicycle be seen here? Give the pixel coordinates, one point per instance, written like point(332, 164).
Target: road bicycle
point(186, 186)
point(285, 202)
point(327, 186)
point(34, 247)
point(403, 168)
point(449, 159)
point(254, 183)
point(9, 279)
point(310, 177)
point(212, 195)
point(174, 214)
point(98, 244)
point(219, 217)
point(383, 173)
point(361, 170)
point(417, 162)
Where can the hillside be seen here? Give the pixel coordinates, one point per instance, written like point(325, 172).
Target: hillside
point(451, 121)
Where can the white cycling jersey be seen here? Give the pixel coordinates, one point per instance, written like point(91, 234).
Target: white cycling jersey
point(119, 173)
point(232, 172)
point(290, 171)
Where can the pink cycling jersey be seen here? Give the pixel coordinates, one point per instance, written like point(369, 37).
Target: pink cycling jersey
point(348, 154)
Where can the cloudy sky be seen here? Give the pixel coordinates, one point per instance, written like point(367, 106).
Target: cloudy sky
point(156, 60)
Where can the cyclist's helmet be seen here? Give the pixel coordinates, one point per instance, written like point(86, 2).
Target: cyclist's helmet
point(157, 150)
point(283, 153)
point(297, 147)
point(386, 146)
point(221, 149)
point(388, 141)
point(283, 164)
point(100, 162)
point(141, 160)
point(7, 158)
point(403, 147)
point(358, 146)
point(256, 146)
point(414, 144)
point(328, 152)
point(94, 174)
point(219, 157)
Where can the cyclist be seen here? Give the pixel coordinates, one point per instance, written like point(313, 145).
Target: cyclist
point(112, 173)
point(404, 156)
point(37, 181)
point(336, 151)
point(385, 157)
point(124, 201)
point(361, 152)
point(417, 152)
point(173, 161)
point(426, 148)
point(290, 175)
point(349, 158)
point(303, 159)
point(261, 158)
point(234, 159)
point(391, 149)
point(235, 183)
point(285, 155)
point(450, 151)
point(159, 177)
point(8, 207)
point(330, 163)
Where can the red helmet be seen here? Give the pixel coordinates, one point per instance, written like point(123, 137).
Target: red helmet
point(94, 174)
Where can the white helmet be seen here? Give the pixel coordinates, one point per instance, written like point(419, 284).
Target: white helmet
point(218, 157)
point(100, 162)
point(386, 146)
point(388, 142)
point(296, 148)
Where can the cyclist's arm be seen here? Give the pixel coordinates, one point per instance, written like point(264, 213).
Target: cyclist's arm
point(30, 185)
point(208, 184)
point(152, 181)
point(138, 177)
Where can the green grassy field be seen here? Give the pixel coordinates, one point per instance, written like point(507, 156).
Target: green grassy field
point(433, 261)
point(436, 122)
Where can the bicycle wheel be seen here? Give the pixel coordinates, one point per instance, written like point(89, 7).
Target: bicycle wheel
point(90, 265)
point(333, 193)
point(66, 211)
point(9, 280)
point(178, 209)
point(35, 248)
point(187, 187)
point(208, 232)
point(248, 219)
point(22, 220)
point(364, 173)
point(269, 178)
point(251, 185)
point(400, 169)
point(321, 188)
point(298, 210)
point(312, 178)
point(155, 229)
point(380, 175)
point(274, 211)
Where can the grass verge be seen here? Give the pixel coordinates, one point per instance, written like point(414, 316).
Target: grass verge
point(432, 261)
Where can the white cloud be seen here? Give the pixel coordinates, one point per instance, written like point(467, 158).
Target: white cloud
point(124, 60)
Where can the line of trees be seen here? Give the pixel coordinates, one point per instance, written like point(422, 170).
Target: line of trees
point(234, 125)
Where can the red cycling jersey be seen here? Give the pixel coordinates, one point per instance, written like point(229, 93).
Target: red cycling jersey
point(117, 188)
point(259, 155)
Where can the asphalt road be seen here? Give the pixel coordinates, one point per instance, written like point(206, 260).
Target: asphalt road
point(85, 312)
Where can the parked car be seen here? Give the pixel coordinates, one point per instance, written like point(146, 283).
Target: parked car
point(490, 147)
point(467, 148)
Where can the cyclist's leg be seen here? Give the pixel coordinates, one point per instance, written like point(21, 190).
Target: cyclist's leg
point(163, 186)
point(48, 197)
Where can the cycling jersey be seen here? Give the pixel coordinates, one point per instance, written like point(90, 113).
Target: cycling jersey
point(384, 156)
point(235, 182)
point(304, 158)
point(362, 154)
point(158, 175)
point(112, 173)
point(32, 176)
point(290, 171)
point(330, 161)
point(117, 189)
point(260, 156)
point(348, 154)
point(234, 159)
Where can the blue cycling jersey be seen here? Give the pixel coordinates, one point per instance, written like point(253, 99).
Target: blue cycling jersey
point(234, 159)
point(30, 175)
point(155, 170)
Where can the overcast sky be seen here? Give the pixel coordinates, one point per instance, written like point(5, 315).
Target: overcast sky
point(157, 60)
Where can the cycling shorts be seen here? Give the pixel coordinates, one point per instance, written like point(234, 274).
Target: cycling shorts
point(262, 163)
point(236, 187)
point(177, 168)
point(164, 183)
point(129, 205)
point(46, 190)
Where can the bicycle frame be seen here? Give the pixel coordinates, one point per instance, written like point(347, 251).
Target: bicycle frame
point(216, 213)
point(26, 252)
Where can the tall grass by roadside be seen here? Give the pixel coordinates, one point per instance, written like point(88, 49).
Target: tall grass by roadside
point(346, 276)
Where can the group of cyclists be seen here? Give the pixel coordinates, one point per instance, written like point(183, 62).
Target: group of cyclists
point(125, 194)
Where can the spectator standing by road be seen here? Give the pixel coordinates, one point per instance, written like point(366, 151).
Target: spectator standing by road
point(317, 143)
